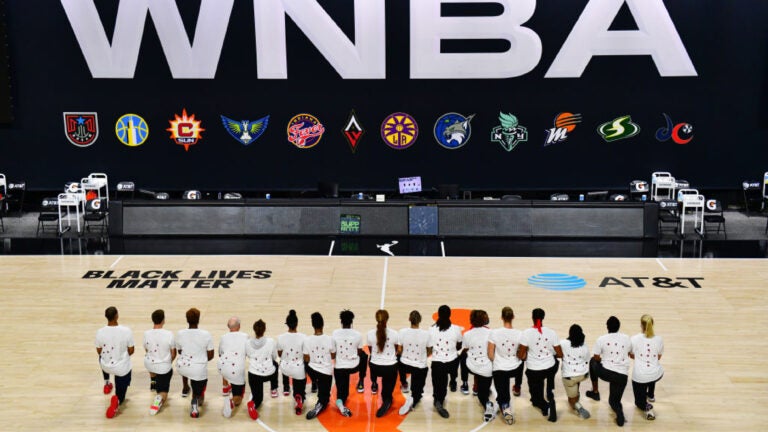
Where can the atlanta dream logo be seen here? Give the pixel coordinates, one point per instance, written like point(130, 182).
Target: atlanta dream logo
point(81, 128)
point(305, 131)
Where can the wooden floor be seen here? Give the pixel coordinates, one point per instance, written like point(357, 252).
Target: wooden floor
point(715, 359)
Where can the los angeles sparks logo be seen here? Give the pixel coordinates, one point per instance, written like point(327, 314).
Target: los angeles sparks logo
point(305, 131)
point(185, 130)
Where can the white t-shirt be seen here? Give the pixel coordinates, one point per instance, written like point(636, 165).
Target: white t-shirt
point(319, 349)
point(262, 352)
point(476, 343)
point(647, 351)
point(613, 349)
point(292, 359)
point(388, 356)
point(575, 360)
point(193, 346)
point(347, 342)
point(541, 348)
point(444, 343)
point(415, 343)
point(114, 342)
point(506, 342)
point(158, 344)
point(231, 364)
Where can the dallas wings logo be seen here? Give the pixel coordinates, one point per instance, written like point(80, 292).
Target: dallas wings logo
point(81, 128)
point(452, 130)
point(619, 128)
point(510, 133)
point(185, 130)
point(245, 131)
point(565, 123)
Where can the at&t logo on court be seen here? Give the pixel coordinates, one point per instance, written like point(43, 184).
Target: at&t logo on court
point(557, 281)
point(399, 130)
point(681, 133)
point(132, 130)
point(305, 131)
point(185, 130)
point(452, 130)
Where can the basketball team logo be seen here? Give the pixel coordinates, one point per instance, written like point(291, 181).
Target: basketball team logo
point(185, 130)
point(352, 132)
point(399, 130)
point(81, 128)
point(510, 133)
point(453, 130)
point(565, 123)
point(305, 131)
point(245, 131)
point(681, 133)
point(131, 130)
point(617, 129)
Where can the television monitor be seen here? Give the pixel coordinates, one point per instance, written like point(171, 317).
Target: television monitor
point(408, 185)
point(448, 191)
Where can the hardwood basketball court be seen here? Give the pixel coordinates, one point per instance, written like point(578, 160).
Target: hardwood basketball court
point(714, 360)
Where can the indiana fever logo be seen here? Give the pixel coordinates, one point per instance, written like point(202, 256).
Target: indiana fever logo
point(681, 133)
point(305, 131)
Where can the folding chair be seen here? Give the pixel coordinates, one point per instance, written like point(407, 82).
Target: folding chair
point(713, 215)
point(49, 213)
point(752, 195)
point(96, 214)
point(669, 215)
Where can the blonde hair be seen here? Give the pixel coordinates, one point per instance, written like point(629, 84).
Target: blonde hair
point(646, 321)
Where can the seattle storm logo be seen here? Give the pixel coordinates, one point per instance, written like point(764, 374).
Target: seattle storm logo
point(452, 130)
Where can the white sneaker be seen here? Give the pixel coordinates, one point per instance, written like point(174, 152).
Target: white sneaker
point(583, 413)
point(406, 408)
point(156, 404)
point(490, 411)
point(226, 411)
point(650, 415)
point(509, 416)
point(346, 412)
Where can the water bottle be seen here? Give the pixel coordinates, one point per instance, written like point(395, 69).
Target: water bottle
point(268, 196)
point(360, 195)
point(581, 197)
point(644, 197)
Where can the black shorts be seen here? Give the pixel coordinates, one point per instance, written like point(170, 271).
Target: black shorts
point(198, 387)
point(163, 381)
point(238, 390)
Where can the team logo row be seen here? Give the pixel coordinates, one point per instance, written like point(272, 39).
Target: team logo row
point(398, 130)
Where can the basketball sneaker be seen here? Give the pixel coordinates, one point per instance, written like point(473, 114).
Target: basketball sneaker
point(374, 387)
point(404, 387)
point(298, 405)
point(509, 416)
point(516, 391)
point(113, 406)
point(274, 393)
point(229, 405)
point(490, 412)
point(108, 387)
point(346, 412)
point(226, 390)
point(314, 412)
point(156, 404)
point(360, 386)
point(406, 408)
point(252, 410)
point(194, 410)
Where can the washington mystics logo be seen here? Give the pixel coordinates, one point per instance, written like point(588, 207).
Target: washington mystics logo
point(399, 130)
point(681, 133)
point(305, 131)
point(245, 131)
point(81, 128)
point(452, 130)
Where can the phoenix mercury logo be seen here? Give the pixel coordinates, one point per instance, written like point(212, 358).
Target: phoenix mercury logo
point(565, 123)
point(619, 128)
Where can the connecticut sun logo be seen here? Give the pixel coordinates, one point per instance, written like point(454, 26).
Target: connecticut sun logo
point(305, 131)
point(399, 130)
point(185, 130)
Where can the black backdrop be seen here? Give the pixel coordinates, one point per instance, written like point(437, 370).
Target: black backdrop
point(727, 103)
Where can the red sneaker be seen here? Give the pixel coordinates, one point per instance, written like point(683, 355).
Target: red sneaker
point(252, 410)
point(113, 405)
point(226, 390)
point(299, 404)
point(108, 388)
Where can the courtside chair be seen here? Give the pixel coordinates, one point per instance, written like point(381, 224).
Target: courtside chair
point(49, 214)
point(713, 215)
point(96, 214)
point(669, 216)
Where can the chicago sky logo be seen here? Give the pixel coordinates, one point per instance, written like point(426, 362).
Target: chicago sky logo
point(510, 133)
point(565, 123)
point(352, 132)
point(81, 128)
point(245, 131)
point(305, 131)
point(556, 281)
point(452, 130)
point(681, 133)
point(399, 130)
point(185, 130)
point(132, 130)
point(619, 128)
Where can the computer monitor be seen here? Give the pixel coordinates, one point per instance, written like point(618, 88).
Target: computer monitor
point(448, 191)
point(408, 185)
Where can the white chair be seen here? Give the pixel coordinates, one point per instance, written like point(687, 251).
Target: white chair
point(662, 186)
point(691, 199)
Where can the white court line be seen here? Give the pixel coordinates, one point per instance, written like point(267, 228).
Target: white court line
point(442, 247)
point(384, 282)
point(116, 261)
point(264, 425)
point(330, 251)
point(661, 264)
point(480, 427)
